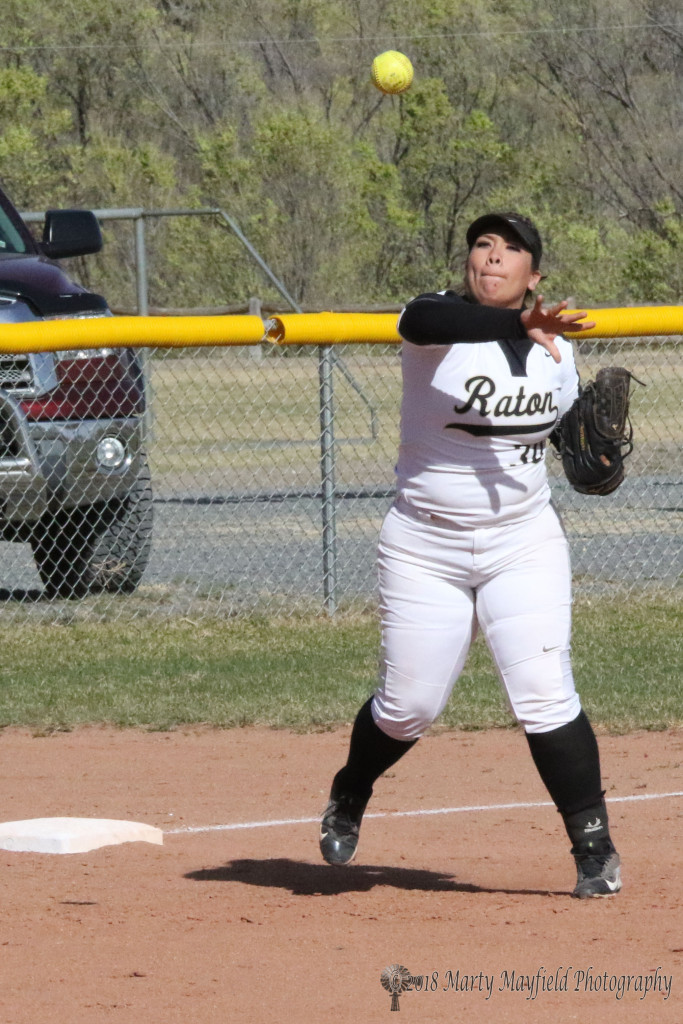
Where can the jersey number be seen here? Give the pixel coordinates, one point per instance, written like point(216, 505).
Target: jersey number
point(531, 452)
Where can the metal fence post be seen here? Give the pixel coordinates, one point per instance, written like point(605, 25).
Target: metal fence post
point(327, 475)
point(141, 266)
point(255, 351)
point(142, 291)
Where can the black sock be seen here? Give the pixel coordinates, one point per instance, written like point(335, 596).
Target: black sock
point(568, 762)
point(588, 829)
point(371, 752)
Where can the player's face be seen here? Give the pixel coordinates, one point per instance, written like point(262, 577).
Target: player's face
point(499, 271)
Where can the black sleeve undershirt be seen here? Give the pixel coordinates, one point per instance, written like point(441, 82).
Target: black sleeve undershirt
point(443, 319)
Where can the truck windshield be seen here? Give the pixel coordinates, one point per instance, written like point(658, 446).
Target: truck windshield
point(10, 239)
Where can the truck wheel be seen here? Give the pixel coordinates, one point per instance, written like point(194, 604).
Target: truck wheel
point(102, 548)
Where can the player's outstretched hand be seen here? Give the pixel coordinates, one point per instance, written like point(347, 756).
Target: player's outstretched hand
point(543, 325)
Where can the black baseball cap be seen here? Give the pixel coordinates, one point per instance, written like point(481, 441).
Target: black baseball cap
point(520, 226)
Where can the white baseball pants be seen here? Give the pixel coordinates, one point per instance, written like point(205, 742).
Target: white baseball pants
point(438, 581)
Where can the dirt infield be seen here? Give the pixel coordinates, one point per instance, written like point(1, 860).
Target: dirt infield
point(246, 924)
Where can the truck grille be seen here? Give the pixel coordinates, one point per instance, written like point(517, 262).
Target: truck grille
point(16, 373)
point(9, 446)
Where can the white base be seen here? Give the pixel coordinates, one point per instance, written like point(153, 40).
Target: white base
point(73, 835)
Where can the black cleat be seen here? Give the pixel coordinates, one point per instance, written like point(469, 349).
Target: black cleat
point(340, 827)
point(598, 871)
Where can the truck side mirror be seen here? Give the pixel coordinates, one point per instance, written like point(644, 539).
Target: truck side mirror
point(70, 233)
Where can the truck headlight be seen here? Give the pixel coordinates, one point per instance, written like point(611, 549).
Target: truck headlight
point(110, 453)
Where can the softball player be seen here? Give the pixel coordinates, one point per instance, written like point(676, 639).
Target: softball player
point(473, 541)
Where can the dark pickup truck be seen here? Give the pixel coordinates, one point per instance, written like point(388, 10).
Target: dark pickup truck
point(74, 478)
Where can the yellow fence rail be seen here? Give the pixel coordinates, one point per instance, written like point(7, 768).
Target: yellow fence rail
point(287, 329)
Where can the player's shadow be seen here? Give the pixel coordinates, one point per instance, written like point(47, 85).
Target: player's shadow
point(302, 879)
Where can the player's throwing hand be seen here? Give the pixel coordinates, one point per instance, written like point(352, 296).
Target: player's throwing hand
point(543, 325)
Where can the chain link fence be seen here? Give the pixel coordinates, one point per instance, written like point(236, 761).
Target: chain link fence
point(260, 478)
point(232, 481)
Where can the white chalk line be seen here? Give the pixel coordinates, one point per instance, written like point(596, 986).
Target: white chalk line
point(193, 829)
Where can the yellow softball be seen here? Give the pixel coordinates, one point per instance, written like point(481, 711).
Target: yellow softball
point(392, 71)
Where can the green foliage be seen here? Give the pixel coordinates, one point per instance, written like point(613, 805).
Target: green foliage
point(309, 196)
point(592, 263)
point(654, 261)
point(266, 109)
point(34, 147)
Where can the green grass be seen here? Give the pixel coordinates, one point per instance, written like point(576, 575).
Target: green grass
point(309, 673)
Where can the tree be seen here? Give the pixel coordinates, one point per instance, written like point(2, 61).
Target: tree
point(616, 77)
point(34, 137)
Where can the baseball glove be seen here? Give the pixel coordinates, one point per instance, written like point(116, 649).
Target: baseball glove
point(594, 437)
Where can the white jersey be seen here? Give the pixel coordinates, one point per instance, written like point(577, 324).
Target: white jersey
point(474, 424)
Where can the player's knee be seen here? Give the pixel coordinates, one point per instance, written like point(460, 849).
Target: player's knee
point(542, 715)
point(406, 729)
point(406, 721)
point(541, 691)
